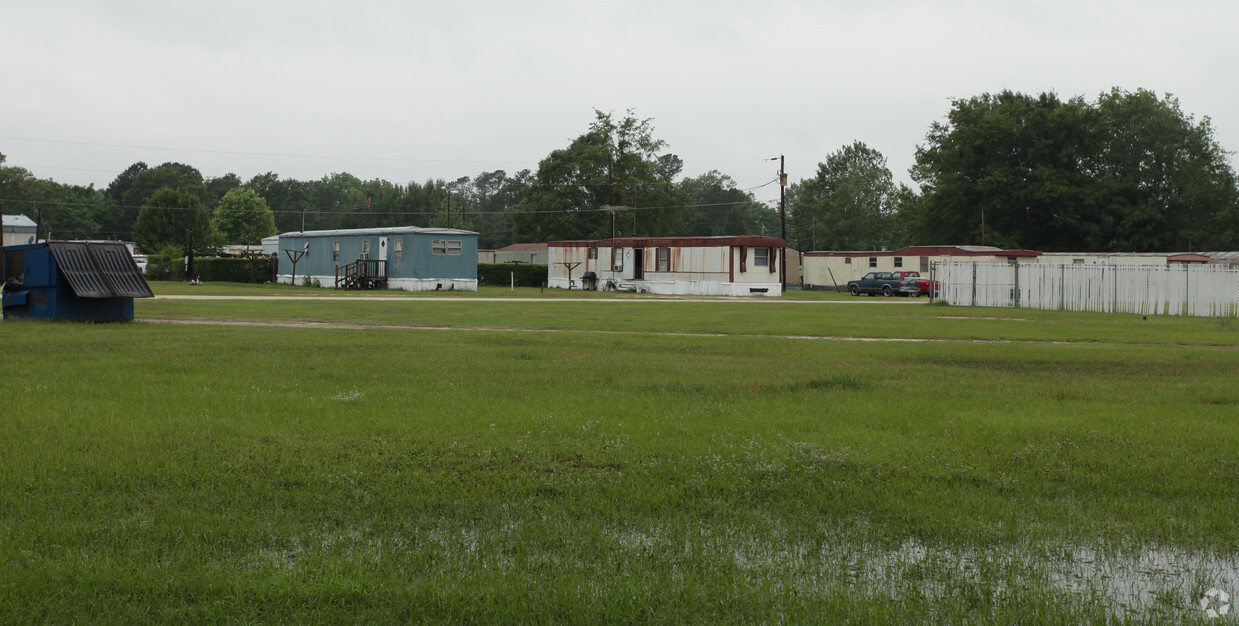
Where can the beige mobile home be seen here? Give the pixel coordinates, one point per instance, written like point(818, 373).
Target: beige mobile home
point(833, 270)
point(1124, 258)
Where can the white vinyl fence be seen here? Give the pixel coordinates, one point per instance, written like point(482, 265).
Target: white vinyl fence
point(1200, 291)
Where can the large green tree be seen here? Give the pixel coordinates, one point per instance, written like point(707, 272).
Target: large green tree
point(1129, 172)
point(496, 195)
point(61, 211)
point(214, 189)
point(1165, 183)
point(288, 199)
point(340, 203)
point(180, 176)
point(612, 179)
point(243, 217)
point(849, 204)
point(130, 190)
point(720, 208)
point(173, 217)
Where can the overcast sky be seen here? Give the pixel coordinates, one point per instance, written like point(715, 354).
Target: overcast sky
point(409, 91)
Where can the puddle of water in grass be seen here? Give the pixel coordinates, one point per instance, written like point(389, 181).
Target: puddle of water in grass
point(1135, 584)
point(1148, 584)
point(1138, 581)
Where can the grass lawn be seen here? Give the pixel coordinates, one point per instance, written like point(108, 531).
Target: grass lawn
point(563, 457)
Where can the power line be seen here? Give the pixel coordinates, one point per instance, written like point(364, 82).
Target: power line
point(345, 212)
point(296, 156)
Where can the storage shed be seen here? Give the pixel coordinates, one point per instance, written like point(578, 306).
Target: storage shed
point(92, 281)
point(705, 266)
point(408, 257)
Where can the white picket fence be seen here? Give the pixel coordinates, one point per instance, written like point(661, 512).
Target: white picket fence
point(1201, 291)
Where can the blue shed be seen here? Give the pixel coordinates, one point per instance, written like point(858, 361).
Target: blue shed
point(93, 281)
point(409, 258)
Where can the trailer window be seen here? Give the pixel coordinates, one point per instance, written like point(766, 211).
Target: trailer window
point(664, 259)
point(448, 247)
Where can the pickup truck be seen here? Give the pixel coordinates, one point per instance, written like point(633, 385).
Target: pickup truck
point(922, 284)
point(885, 283)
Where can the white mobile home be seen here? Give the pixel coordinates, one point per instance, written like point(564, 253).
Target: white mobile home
point(705, 266)
point(18, 230)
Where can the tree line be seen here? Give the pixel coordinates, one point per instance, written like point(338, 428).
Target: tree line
point(1126, 172)
point(1129, 171)
point(610, 181)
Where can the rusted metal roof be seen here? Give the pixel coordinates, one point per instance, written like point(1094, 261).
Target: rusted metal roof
point(754, 241)
point(931, 251)
point(100, 269)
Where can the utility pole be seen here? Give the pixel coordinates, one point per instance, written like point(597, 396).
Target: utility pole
point(611, 197)
point(636, 202)
point(783, 218)
point(189, 259)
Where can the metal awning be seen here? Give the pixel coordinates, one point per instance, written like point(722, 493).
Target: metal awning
point(100, 269)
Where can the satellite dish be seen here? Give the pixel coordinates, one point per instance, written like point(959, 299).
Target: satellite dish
point(306, 248)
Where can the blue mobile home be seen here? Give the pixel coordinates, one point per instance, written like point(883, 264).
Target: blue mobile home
point(409, 258)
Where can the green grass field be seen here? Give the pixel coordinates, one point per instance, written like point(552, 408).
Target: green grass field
point(537, 457)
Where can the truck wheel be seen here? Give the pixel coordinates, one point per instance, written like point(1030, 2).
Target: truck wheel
point(854, 289)
point(886, 290)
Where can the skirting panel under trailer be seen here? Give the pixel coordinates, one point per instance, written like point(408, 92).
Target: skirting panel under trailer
point(683, 288)
point(403, 284)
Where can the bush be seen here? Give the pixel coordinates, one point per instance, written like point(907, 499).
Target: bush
point(527, 274)
point(167, 264)
point(230, 270)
